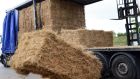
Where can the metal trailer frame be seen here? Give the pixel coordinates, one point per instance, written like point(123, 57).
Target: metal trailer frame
point(108, 54)
point(30, 2)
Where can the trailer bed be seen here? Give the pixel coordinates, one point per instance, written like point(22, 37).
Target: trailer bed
point(117, 49)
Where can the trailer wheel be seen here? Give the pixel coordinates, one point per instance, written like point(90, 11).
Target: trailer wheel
point(123, 67)
point(104, 59)
point(4, 60)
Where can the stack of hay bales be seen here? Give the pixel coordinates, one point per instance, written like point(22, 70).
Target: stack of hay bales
point(67, 15)
point(44, 53)
point(53, 15)
point(88, 38)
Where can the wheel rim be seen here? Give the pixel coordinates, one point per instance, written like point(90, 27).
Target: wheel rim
point(122, 68)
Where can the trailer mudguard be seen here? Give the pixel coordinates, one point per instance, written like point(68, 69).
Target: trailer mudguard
point(10, 32)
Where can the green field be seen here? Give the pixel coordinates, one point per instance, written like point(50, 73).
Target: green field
point(120, 41)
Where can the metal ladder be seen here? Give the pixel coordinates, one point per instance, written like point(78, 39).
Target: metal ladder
point(128, 10)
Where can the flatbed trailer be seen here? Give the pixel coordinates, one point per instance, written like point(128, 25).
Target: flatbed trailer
point(121, 62)
point(116, 49)
point(118, 62)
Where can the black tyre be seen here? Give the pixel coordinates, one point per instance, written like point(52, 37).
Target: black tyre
point(123, 67)
point(4, 60)
point(104, 59)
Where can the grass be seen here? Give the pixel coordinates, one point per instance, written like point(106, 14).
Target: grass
point(120, 41)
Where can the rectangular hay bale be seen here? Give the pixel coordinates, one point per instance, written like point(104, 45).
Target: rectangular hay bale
point(66, 14)
point(44, 53)
point(88, 38)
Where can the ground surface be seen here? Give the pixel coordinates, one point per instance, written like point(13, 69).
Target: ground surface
point(8, 73)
